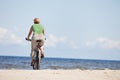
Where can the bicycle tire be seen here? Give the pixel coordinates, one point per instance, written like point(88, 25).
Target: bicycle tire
point(36, 65)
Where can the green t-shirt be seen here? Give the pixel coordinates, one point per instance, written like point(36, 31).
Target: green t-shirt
point(37, 28)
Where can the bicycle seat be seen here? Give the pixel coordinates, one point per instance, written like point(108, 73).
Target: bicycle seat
point(38, 40)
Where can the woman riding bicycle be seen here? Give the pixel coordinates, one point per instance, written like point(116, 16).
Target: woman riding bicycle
point(38, 34)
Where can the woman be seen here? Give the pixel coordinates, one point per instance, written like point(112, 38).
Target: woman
point(38, 34)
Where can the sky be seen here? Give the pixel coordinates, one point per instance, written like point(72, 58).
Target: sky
point(82, 29)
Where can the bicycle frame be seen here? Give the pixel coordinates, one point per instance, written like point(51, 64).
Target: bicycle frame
point(37, 60)
point(37, 55)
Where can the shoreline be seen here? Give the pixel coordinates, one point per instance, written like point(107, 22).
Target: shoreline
point(75, 74)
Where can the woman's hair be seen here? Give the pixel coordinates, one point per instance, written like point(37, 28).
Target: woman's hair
point(36, 20)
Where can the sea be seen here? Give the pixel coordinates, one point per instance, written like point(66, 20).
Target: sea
point(16, 62)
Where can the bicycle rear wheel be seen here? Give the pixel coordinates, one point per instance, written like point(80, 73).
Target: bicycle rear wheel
point(36, 65)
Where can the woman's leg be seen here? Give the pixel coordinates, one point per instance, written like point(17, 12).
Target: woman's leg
point(42, 51)
point(42, 48)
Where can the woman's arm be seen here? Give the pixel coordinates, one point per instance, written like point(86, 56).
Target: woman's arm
point(44, 33)
point(30, 32)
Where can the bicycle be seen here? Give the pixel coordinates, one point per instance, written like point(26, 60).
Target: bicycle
point(37, 56)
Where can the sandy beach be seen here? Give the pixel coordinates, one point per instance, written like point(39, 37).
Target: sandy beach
point(60, 74)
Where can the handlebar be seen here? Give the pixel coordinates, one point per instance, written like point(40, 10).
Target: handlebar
point(28, 39)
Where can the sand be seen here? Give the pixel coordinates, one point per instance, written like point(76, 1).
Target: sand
point(60, 74)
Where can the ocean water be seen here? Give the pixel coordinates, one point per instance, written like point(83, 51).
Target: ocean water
point(12, 62)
